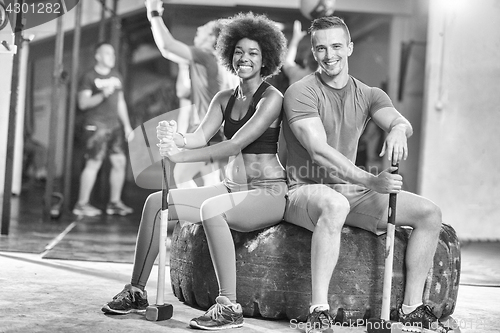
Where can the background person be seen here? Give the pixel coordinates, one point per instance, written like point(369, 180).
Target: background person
point(106, 125)
point(206, 79)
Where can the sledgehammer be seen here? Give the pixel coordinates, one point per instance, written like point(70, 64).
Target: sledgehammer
point(162, 310)
point(384, 325)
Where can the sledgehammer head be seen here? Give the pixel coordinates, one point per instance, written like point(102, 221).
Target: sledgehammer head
point(159, 312)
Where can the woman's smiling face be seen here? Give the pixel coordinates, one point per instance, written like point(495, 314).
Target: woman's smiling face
point(247, 58)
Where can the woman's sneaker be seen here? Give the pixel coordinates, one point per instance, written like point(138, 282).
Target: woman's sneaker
point(222, 315)
point(422, 317)
point(127, 301)
point(319, 320)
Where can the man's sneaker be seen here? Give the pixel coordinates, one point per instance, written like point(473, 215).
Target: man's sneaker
point(118, 208)
point(127, 301)
point(223, 314)
point(422, 317)
point(319, 320)
point(86, 210)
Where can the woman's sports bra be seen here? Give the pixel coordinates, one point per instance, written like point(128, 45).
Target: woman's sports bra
point(267, 143)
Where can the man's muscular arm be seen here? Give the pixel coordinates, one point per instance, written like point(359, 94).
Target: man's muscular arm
point(312, 136)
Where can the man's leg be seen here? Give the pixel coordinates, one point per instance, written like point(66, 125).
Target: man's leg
point(95, 148)
point(323, 211)
point(330, 213)
point(87, 179)
point(425, 218)
point(369, 211)
point(117, 176)
point(115, 143)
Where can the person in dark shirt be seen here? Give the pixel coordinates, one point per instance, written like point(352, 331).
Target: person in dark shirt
point(106, 125)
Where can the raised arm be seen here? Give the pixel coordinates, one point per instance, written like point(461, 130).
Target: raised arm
point(297, 36)
point(292, 70)
point(166, 43)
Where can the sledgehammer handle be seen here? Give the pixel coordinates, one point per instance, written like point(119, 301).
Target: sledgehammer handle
point(162, 255)
point(391, 218)
point(389, 254)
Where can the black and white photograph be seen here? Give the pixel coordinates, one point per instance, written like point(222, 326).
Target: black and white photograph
point(251, 166)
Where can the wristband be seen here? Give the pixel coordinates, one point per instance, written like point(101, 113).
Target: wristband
point(183, 140)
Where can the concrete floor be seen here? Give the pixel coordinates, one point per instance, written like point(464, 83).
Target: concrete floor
point(41, 295)
point(55, 279)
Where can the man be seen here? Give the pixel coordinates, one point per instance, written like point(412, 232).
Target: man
point(326, 113)
point(106, 126)
point(207, 78)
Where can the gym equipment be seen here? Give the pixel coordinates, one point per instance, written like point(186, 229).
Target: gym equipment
point(273, 272)
point(383, 325)
point(161, 310)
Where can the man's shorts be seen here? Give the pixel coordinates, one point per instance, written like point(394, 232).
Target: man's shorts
point(101, 141)
point(369, 209)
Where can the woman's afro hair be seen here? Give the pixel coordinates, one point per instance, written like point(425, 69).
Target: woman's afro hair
point(258, 28)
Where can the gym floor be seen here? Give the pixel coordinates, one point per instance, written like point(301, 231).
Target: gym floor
point(55, 275)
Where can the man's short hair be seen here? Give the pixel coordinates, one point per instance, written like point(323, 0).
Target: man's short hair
point(328, 22)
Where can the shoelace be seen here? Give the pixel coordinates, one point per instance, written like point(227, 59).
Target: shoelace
point(319, 315)
point(429, 314)
point(434, 320)
point(125, 293)
point(215, 311)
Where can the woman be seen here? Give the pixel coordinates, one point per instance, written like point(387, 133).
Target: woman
point(252, 196)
